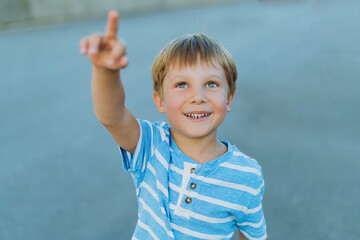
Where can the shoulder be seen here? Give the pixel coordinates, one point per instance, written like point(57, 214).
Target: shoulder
point(163, 130)
point(154, 126)
point(161, 125)
point(243, 169)
point(158, 131)
point(242, 160)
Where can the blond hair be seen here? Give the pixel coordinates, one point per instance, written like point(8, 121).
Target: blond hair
point(188, 50)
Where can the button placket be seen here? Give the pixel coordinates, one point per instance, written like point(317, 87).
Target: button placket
point(192, 187)
point(186, 198)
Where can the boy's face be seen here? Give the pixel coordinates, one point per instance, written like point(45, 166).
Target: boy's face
point(195, 100)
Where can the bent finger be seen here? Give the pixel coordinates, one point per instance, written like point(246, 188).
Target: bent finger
point(84, 44)
point(119, 63)
point(118, 51)
point(124, 61)
point(112, 25)
point(94, 43)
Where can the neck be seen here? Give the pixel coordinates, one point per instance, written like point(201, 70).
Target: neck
point(201, 150)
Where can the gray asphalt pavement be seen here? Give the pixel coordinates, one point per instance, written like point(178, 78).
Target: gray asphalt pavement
point(296, 110)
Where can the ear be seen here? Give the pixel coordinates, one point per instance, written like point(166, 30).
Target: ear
point(159, 102)
point(229, 101)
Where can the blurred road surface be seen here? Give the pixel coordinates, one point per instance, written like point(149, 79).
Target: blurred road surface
point(296, 111)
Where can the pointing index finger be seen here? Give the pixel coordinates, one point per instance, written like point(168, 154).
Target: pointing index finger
point(112, 24)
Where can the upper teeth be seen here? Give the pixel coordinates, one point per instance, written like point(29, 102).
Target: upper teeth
point(195, 115)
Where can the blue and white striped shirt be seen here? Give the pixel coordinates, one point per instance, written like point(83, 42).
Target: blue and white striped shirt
point(178, 198)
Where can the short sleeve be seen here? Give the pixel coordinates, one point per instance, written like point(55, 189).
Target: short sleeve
point(253, 225)
point(136, 163)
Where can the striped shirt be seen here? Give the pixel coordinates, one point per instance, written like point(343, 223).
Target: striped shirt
point(178, 198)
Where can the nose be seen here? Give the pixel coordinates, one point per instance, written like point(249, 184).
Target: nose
point(198, 96)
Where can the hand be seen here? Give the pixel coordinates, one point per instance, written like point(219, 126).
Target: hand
point(106, 51)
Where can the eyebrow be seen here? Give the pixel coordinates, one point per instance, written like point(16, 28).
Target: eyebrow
point(216, 76)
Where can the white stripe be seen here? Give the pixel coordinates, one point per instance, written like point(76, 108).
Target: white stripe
point(162, 134)
point(241, 168)
point(240, 154)
point(163, 210)
point(262, 185)
point(176, 169)
point(153, 193)
point(198, 234)
point(202, 217)
point(152, 169)
point(158, 184)
point(137, 149)
point(162, 188)
point(228, 184)
point(252, 238)
point(148, 229)
point(134, 238)
point(157, 219)
point(210, 200)
point(254, 210)
point(144, 164)
point(222, 203)
point(161, 159)
point(254, 225)
point(128, 156)
point(150, 190)
point(151, 139)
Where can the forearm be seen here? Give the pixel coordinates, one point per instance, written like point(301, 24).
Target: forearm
point(108, 96)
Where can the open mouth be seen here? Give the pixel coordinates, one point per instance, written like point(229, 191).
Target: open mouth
point(197, 115)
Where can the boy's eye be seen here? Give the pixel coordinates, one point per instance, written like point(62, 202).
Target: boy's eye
point(211, 84)
point(182, 85)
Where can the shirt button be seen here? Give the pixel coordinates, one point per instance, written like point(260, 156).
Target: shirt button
point(188, 200)
point(193, 185)
point(192, 170)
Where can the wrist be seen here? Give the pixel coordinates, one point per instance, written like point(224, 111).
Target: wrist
point(97, 70)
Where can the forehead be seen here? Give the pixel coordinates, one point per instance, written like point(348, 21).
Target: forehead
point(200, 68)
point(191, 60)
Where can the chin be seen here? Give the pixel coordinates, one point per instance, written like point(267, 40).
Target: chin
point(198, 134)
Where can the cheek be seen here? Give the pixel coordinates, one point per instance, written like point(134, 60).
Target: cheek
point(173, 104)
point(220, 101)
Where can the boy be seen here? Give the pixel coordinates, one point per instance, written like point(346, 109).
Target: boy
point(189, 185)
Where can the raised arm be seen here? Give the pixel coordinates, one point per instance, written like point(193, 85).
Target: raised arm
point(107, 53)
